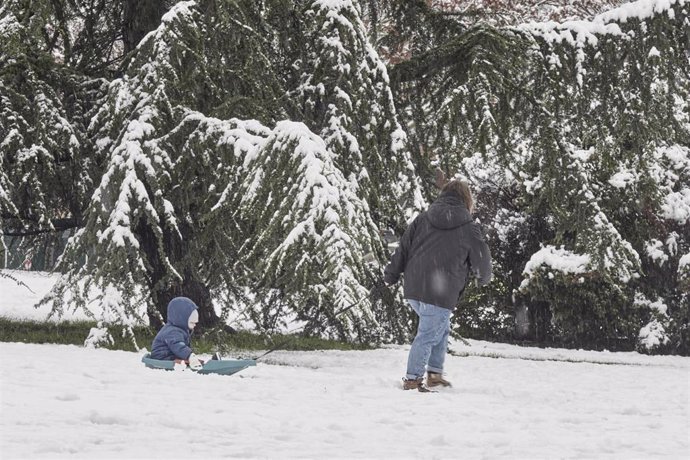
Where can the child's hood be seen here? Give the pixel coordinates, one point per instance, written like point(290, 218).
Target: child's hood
point(179, 310)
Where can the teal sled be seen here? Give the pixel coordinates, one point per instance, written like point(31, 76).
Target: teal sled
point(214, 366)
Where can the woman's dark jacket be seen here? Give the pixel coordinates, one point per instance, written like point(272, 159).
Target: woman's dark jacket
point(437, 252)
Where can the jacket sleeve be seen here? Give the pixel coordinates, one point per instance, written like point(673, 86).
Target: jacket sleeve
point(479, 255)
point(398, 262)
point(177, 345)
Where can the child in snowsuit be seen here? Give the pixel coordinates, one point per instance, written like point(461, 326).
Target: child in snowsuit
point(172, 341)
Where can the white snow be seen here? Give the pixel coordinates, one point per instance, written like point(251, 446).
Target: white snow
point(623, 178)
point(653, 335)
point(582, 32)
point(655, 250)
point(676, 206)
point(507, 402)
point(684, 262)
point(558, 259)
point(678, 155)
point(17, 301)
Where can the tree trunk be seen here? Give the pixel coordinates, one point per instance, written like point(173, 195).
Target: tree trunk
point(540, 320)
point(195, 290)
point(139, 18)
point(163, 290)
point(522, 321)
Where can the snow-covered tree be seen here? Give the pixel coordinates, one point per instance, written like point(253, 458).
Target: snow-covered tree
point(45, 172)
point(563, 129)
point(255, 148)
point(312, 233)
point(189, 123)
point(623, 108)
point(345, 97)
point(148, 235)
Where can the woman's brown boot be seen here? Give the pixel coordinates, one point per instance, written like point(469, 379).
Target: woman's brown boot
point(434, 379)
point(415, 384)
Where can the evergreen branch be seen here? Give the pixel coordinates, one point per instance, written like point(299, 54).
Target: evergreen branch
point(457, 54)
point(59, 225)
point(17, 281)
point(469, 13)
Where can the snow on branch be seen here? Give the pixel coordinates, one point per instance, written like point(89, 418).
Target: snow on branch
point(312, 223)
point(579, 33)
point(555, 259)
point(684, 267)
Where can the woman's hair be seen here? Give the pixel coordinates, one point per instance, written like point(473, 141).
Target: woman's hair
point(462, 189)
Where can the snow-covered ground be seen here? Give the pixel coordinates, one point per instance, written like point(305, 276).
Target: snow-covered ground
point(507, 402)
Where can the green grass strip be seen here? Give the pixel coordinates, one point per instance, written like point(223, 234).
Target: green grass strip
point(74, 333)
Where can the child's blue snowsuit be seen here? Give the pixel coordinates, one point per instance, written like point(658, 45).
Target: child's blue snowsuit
point(172, 341)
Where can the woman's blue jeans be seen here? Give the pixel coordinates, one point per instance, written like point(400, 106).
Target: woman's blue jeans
point(431, 343)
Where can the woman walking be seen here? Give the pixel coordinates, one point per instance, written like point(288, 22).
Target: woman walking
point(436, 254)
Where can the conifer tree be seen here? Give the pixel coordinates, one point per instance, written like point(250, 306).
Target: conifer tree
point(167, 165)
point(313, 232)
point(190, 160)
point(345, 97)
point(42, 142)
point(622, 137)
point(563, 130)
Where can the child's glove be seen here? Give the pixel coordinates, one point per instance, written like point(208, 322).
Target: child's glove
point(194, 362)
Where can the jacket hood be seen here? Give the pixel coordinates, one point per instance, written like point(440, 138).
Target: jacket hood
point(179, 310)
point(448, 211)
